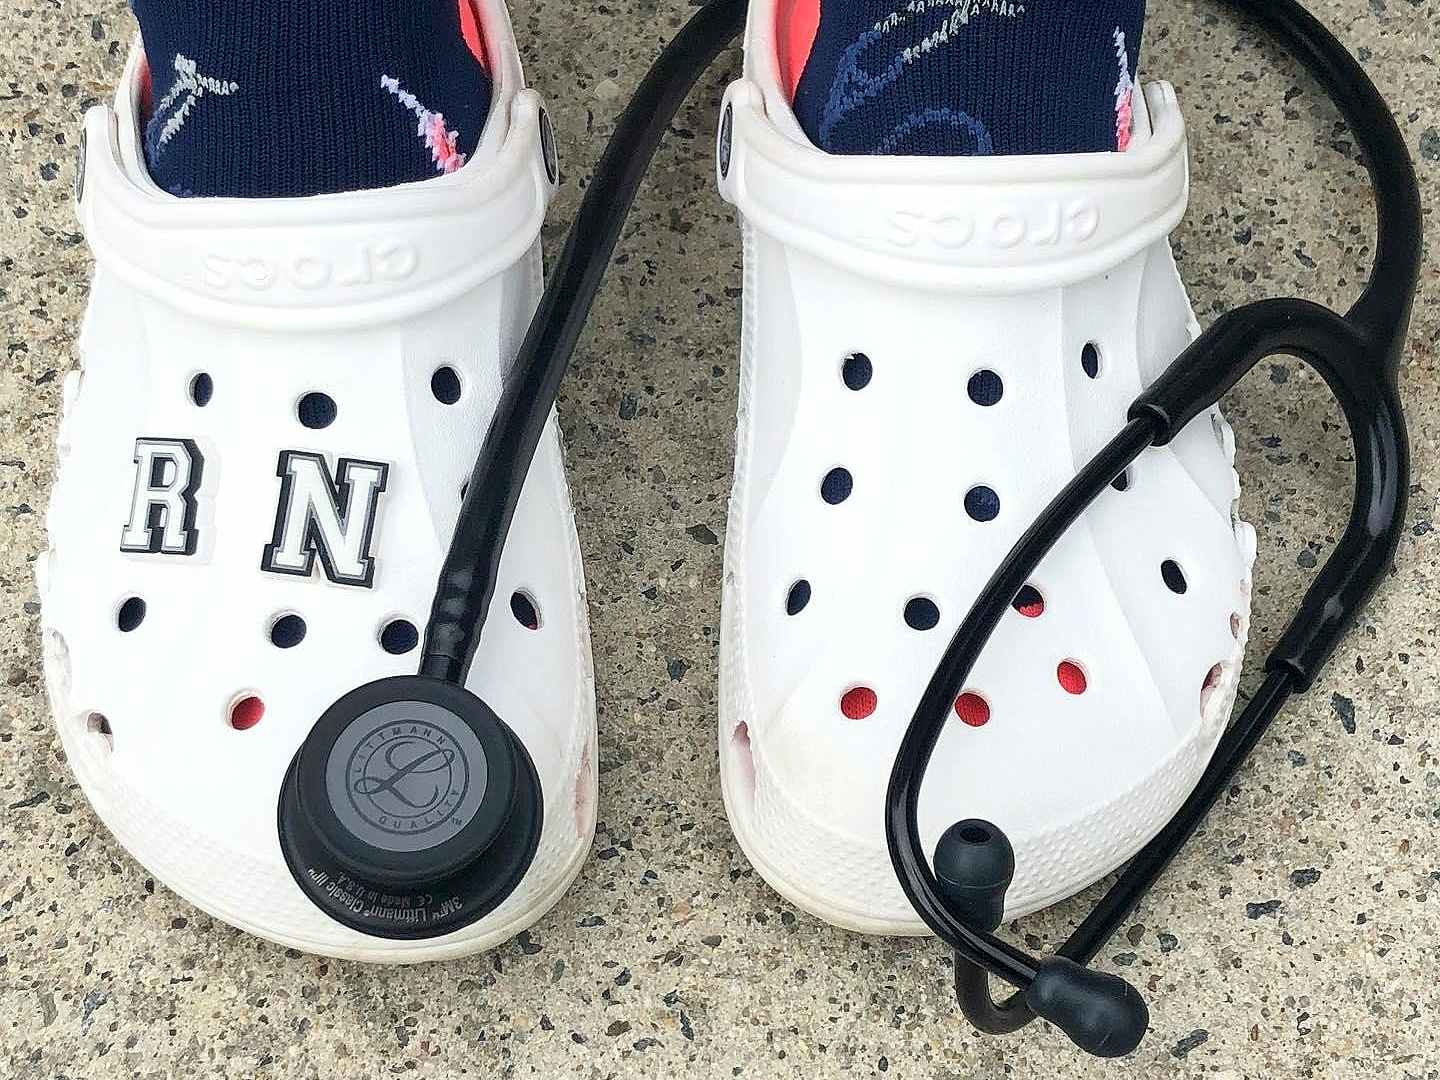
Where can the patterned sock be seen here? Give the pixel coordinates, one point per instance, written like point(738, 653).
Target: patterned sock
point(961, 77)
point(274, 98)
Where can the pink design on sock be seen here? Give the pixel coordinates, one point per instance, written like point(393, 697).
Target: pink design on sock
point(1124, 96)
point(439, 140)
point(442, 145)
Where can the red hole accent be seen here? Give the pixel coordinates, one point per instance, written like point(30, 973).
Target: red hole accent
point(1235, 625)
point(859, 703)
point(1029, 602)
point(972, 709)
point(1072, 677)
point(246, 713)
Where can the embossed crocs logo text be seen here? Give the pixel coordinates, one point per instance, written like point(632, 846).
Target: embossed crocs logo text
point(365, 264)
point(1042, 225)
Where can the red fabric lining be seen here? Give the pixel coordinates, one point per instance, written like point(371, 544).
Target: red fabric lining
point(972, 709)
point(796, 23)
point(147, 90)
point(470, 28)
point(246, 713)
point(859, 703)
point(1072, 677)
point(1029, 602)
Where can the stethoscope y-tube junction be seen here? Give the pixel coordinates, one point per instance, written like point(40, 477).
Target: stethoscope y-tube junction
point(1358, 355)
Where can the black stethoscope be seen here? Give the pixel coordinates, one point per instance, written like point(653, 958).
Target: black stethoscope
point(962, 898)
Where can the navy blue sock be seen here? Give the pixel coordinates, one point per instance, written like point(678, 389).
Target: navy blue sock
point(270, 98)
point(962, 77)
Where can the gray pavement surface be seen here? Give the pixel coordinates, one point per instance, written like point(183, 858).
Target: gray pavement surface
point(1298, 934)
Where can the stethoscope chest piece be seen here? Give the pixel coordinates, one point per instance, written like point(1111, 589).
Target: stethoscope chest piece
point(410, 810)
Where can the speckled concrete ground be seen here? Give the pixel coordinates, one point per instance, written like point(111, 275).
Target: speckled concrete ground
point(1296, 937)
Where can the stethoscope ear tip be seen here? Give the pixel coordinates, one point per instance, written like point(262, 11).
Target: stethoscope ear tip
point(410, 810)
point(974, 865)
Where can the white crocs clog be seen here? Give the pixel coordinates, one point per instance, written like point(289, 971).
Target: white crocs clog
point(931, 348)
point(261, 465)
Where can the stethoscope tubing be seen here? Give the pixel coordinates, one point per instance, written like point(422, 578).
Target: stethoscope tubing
point(1358, 355)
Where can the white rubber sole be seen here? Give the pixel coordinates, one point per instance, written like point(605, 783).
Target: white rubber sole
point(424, 952)
point(737, 782)
point(738, 809)
point(796, 826)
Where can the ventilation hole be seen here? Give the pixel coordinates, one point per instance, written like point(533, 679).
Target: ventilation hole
point(1209, 686)
point(1090, 359)
point(464, 488)
point(1121, 482)
point(399, 636)
point(985, 388)
point(1235, 625)
point(1072, 677)
point(921, 613)
point(57, 657)
point(837, 486)
point(858, 703)
point(982, 504)
point(975, 834)
point(522, 606)
point(98, 725)
point(316, 410)
point(857, 371)
point(1029, 602)
point(202, 389)
point(445, 385)
point(130, 615)
point(1217, 430)
point(287, 631)
point(798, 598)
point(972, 709)
point(584, 795)
point(743, 759)
point(246, 712)
point(1174, 577)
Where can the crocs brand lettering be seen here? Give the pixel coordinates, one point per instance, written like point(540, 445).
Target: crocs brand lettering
point(1072, 222)
point(329, 516)
point(367, 264)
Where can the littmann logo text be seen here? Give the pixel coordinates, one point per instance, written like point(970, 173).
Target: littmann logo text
point(400, 781)
point(366, 264)
point(1045, 225)
point(408, 778)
